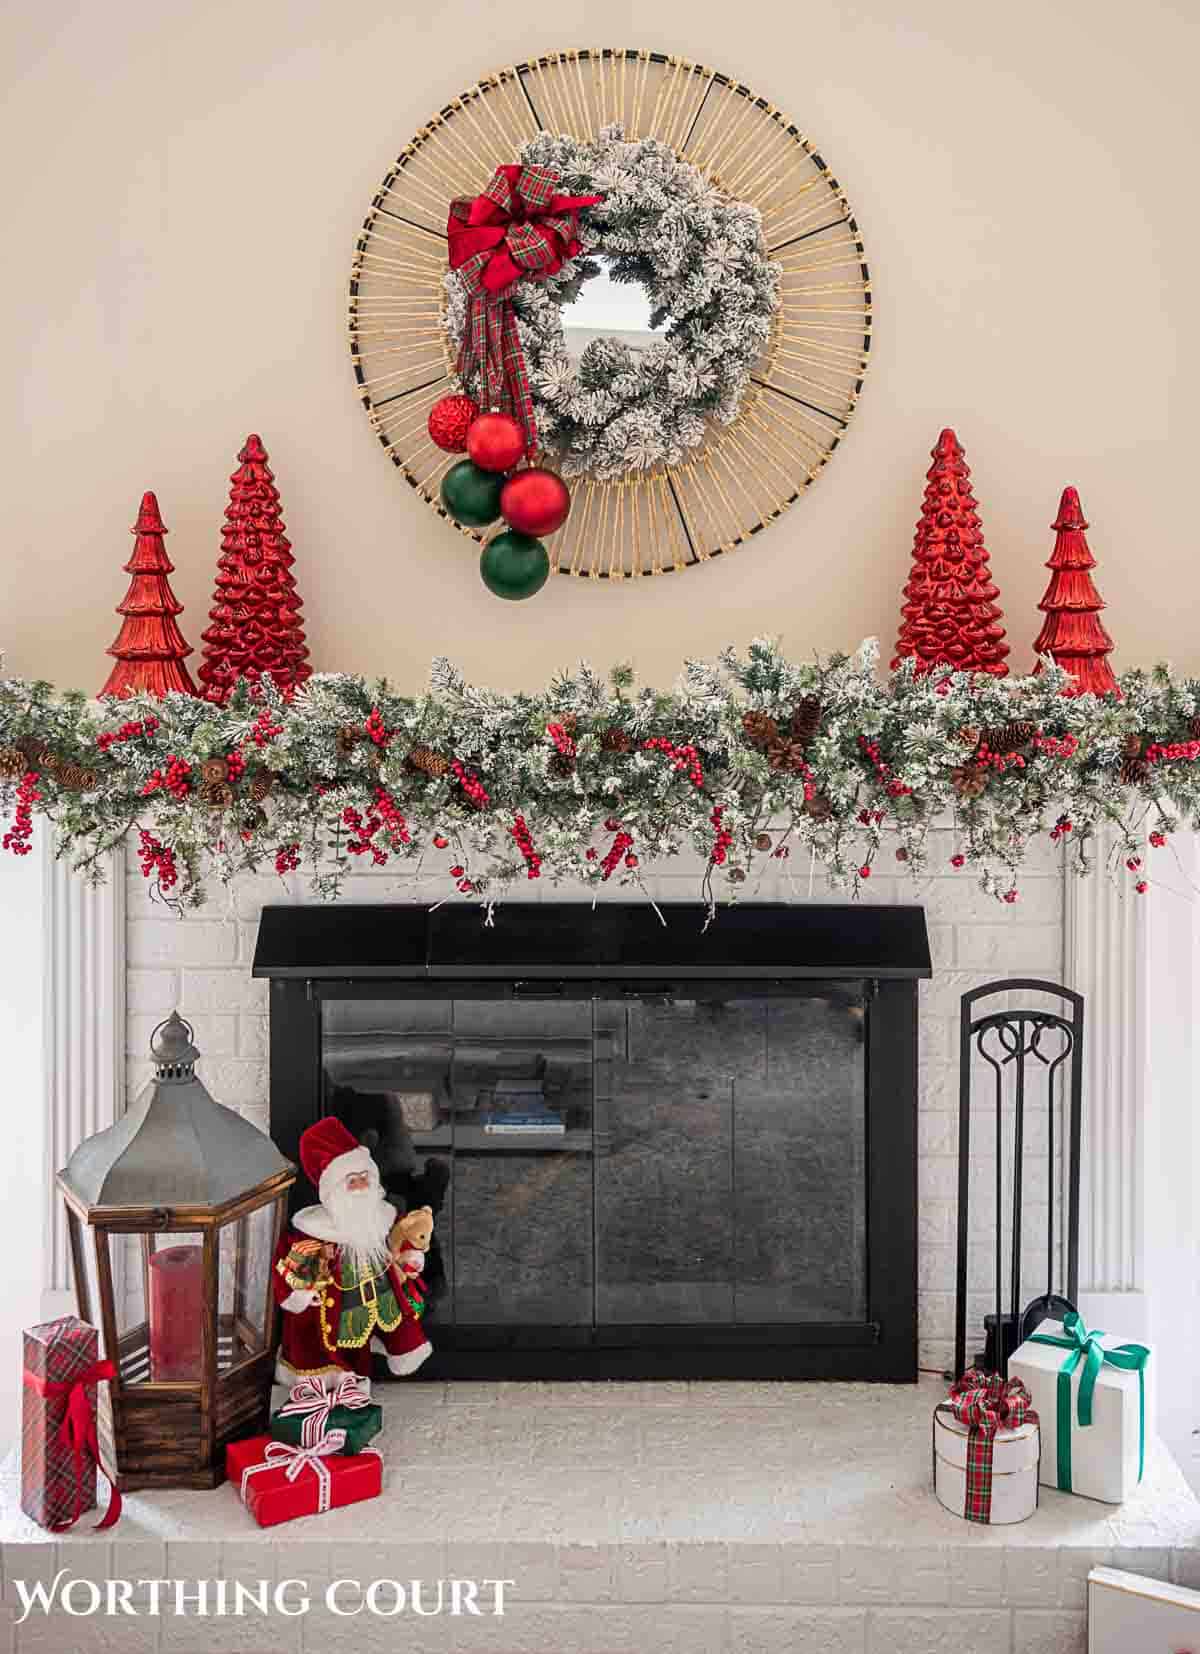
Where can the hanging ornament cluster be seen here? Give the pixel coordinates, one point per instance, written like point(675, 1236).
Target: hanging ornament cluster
point(486, 486)
point(449, 421)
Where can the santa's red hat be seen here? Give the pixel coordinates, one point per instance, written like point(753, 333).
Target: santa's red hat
point(328, 1153)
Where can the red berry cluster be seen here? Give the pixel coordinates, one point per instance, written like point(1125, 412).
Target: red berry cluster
point(1055, 746)
point(19, 834)
point(459, 873)
point(158, 860)
point(781, 852)
point(986, 759)
point(236, 764)
point(864, 871)
point(1158, 840)
point(1141, 887)
point(264, 730)
point(440, 842)
point(1010, 896)
point(376, 729)
point(562, 740)
point(620, 847)
point(471, 785)
point(524, 838)
point(383, 813)
point(724, 836)
point(958, 860)
point(287, 858)
point(870, 750)
point(127, 732)
point(175, 779)
point(1158, 750)
point(1061, 827)
point(682, 758)
point(869, 816)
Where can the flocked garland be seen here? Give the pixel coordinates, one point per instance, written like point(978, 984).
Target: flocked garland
point(711, 287)
point(749, 759)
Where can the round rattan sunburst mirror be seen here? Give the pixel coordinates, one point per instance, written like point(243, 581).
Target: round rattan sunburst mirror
point(800, 392)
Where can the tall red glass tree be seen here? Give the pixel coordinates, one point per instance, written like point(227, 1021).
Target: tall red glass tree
point(254, 623)
point(150, 649)
point(950, 617)
point(1072, 632)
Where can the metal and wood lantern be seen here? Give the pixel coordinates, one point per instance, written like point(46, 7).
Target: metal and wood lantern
point(174, 1214)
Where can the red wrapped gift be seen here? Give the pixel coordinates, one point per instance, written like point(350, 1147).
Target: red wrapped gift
point(59, 1451)
point(278, 1481)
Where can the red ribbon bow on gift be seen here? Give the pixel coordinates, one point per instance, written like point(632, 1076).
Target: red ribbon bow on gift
point(519, 229)
point(78, 1431)
point(986, 1403)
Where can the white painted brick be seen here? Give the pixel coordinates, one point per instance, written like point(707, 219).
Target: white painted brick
point(642, 1573)
point(810, 1573)
point(867, 1574)
point(1185, 1568)
point(253, 1036)
point(797, 1630)
point(698, 1572)
point(234, 1081)
point(935, 1355)
point(935, 1223)
point(938, 1631)
point(172, 942)
point(1049, 1631)
point(532, 1565)
point(1032, 1577)
point(755, 1573)
point(922, 1577)
point(586, 1573)
point(943, 946)
point(227, 990)
point(156, 990)
point(1036, 949)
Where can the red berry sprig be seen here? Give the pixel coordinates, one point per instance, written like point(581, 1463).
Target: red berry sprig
point(1158, 750)
point(264, 730)
point(471, 785)
point(621, 847)
point(871, 751)
point(459, 874)
point(1158, 840)
point(1061, 828)
point(376, 729)
point(724, 836)
point(175, 779)
point(684, 758)
point(287, 859)
point(128, 732)
point(236, 765)
point(520, 831)
point(384, 814)
point(1055, 746)
point(19, 834)
point(986, 759)
point(158, 860)
point(559, 734)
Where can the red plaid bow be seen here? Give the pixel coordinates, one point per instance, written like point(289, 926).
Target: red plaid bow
point(78, 1432)
point(986, 1403)
point(520, 228)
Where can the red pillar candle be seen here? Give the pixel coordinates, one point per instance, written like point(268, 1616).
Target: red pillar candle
point(176, 1313)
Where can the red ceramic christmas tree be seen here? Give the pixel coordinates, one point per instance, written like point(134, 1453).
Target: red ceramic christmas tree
point(254, 623)
point(1072, 632)
point(950, 615)
point(150, 649)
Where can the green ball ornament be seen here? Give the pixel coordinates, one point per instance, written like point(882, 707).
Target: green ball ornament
point(514, 565)
point(470, 495)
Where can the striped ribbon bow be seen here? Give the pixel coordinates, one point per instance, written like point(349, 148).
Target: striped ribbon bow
point(311, 1401)
point(986, 1403)
point(519, 229)
point(279, 1454)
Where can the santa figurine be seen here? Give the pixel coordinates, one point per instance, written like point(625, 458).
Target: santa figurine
point(347, 1272)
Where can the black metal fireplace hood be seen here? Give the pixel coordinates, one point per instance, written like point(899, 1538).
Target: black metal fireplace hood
point(574, 941)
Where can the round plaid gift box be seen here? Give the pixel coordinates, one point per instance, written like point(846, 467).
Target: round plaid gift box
point(1012, 1493)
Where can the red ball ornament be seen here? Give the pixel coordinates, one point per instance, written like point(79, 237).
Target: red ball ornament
point(496, 442)
point(450, 418)
point(535, 501)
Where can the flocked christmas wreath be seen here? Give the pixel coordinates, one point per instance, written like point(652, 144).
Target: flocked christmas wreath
point(712, 291)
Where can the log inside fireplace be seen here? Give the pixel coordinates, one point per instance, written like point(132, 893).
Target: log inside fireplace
point(656, 1150)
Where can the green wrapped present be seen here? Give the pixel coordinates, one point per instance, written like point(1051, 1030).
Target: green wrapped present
point(311, 1411)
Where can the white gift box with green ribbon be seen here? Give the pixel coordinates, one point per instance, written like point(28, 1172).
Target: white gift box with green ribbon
point(1093, 1393)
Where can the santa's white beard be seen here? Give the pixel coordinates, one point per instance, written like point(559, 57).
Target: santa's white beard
point(362, 1219)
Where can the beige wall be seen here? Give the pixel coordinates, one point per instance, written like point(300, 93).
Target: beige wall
point(184, 183)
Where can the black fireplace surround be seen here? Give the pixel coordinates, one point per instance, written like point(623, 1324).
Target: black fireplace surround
point(655, 1149)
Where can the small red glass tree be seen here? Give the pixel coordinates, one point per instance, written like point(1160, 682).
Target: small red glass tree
point(950, 615)
point(1072, 633)
point(254, 623)
point(150, 649)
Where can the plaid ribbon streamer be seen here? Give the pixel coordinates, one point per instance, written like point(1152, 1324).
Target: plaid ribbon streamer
point(311, 1401)
point(986, 1403)
point(77, 1433)
point(281, 1453)
point(519, 229)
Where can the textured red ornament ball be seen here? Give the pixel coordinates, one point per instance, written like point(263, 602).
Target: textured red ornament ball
point(535, 501)
point(450, 419)
point(496, 442)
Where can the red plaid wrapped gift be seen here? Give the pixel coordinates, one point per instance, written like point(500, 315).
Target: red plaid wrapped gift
point(986, 1448)
point(277, 1481)
point(59, 1451)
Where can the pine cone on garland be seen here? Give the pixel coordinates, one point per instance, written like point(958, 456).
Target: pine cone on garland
point(819, 807)
point(12, 763)
point(1134, 767)
point(1009, 737)
point(261, 786)
point(347, 738)
point(218, 795)
point(786, 754)
point(967, 781)
point(562, 764)
point(760, 729)
point(425, 761)
point(762, 841)
point(806, 720)
point(969, 736)
point(213, 771)
point(616, 740)
point(76, 778)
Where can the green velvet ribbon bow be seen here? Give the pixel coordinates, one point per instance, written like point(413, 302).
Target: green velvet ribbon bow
point(1085, 1346)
